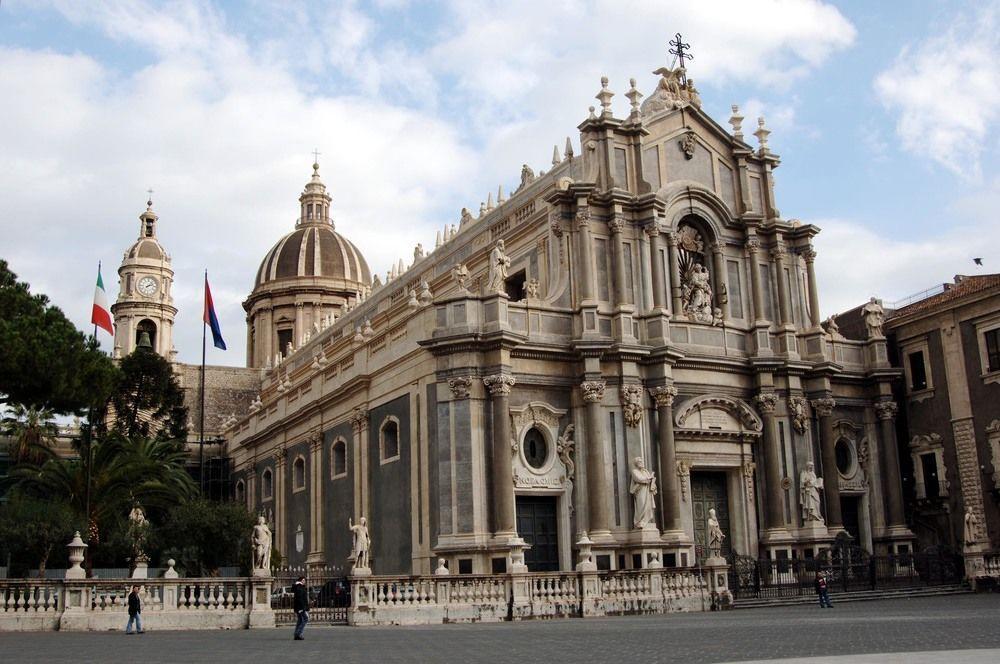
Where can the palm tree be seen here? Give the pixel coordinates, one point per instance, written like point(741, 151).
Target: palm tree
point(31, 432)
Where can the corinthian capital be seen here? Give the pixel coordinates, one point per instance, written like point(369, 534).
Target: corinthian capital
point(823, 407)
point(359, 419)
point(460, 386)
point(766, 401)
point(886, 410)
point(663, 395)
point(582, 217)
point(617, 223)
point(499, 384)
point(593, 390)
point(778, 254)
point(753, 244)
point(809, 254)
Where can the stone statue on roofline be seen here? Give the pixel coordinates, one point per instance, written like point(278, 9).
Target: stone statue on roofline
point(874, 317)
point(499, 267)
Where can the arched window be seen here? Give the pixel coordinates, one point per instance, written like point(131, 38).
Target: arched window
point(299, 473)
point(267, 485)
point(536, 450)
point(241, 492)
point(149, 327)
point(338, 459)
point(388, 440)
point(844, 455)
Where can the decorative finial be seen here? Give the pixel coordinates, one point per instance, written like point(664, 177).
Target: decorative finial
point(569, 149)
point(555, 155)
point(316, 154)
point(604, 96)
point(149, 201)
point(500, 197)
point(633, 98)
point(736, 120)
point(762, 133)
point(592, 116)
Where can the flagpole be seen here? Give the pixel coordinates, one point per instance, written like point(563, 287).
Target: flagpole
point(201, 435)
point(87, 445)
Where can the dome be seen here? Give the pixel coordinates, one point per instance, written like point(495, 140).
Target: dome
point(147, 248)
point(313, 250)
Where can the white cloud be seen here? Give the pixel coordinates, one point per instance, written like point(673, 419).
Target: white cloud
point(946, 92)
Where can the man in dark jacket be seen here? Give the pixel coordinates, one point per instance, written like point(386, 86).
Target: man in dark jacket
point(134, 611)
point(301, 606)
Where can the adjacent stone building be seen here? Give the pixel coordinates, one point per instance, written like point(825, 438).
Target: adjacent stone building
point(641, 305)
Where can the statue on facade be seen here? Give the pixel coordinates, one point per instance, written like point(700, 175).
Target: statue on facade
point(260, 545)
point(460, 274)
point(527, 175)
point(809, 486)
point(362, 542)
point(697, 294)
point(499, 267)
point(466, 218)
point(642, 488)
point(715, 535)
point(971, 527)
point(874, 318)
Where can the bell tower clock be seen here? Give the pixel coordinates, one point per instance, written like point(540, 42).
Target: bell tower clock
point(144, 312)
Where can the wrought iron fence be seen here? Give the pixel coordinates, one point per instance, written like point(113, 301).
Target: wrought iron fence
point(329, 594)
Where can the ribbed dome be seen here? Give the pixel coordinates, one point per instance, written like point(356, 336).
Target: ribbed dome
point(147, 248)
point(313, 250)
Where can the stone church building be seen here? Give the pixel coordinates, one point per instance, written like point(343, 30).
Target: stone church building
point(642, 306)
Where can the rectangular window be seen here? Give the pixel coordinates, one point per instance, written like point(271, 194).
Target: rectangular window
point(621, 169)
point(284, 338)
point(735, 290)
point(651, 166)
point(992, 349)
point(918, 374)
point(928, 464)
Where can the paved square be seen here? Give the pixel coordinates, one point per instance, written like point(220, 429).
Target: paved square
point(922, 624)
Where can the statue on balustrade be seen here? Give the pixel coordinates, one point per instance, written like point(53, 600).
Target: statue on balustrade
point(499, 267)
point(642, 488)
point(362, 542)
point(874, 318)
point(715, 535)
point(138, 530)
point(809, 486)
point(260, 545)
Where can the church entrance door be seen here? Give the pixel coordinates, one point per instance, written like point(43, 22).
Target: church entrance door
point(708, 491)
point(538, 525)
point(849, 509)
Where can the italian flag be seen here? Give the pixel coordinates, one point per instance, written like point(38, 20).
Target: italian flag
point(101, 316)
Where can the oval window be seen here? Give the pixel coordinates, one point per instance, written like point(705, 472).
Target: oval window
point(536, 450)
point(845, 457)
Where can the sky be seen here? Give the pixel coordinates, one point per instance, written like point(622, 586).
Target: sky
point(885, 116)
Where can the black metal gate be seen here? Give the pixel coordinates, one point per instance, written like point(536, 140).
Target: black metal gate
point(329, 595)
point(847, 568)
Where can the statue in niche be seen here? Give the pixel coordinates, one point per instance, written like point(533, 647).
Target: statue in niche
point(260, 544)
point(697, 294)
point(715, 535)
point(809, 486)
point(362, 542)
point(972, 525)
point(499, 267)
point(642, 488)
point(874, 318)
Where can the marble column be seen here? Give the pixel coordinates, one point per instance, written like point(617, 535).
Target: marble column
point(656, 266)
point(757, 289)
point(670, 497)
point(784, 297)
point(831, 477)
point(297, 334)
point(721, 291)
point(503, 487)
point(886, 412)
point(585, 252)
point(599, 503)
point(280, 457)
point(774, 511)
point(810, 255)
point(617, 226)
point(316, 499)
point(677, 308)
point(359, 455)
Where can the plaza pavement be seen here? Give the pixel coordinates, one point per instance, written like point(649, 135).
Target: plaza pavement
point(924, 628)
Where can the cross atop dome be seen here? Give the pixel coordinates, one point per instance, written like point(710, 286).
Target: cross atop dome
point(314, 202)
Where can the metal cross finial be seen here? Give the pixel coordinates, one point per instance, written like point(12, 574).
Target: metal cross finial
point(149, 201)
point(316, 154)
point(680, 49)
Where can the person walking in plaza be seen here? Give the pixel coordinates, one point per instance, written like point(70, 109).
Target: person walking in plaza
point(134, 612)
point(301, 606)
point(823, 591)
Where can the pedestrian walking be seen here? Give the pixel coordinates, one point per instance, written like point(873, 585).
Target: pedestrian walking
point(134, 612)
point(823, 591)
point(301, 606)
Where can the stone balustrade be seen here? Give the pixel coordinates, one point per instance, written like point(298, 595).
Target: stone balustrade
point(101, 604)
point(991, 565)
point(428, 600)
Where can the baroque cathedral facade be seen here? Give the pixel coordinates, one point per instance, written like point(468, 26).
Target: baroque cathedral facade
point(629, 340)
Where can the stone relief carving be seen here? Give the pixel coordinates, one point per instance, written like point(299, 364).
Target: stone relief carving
point(565, 448)
point(499, 267)
point(536, 413)
point(739, 411)
point(748, 470)
point(460, 386)
point(886, 410)
point(632, 404)
point(823, 407)
point(674, 90)
point(499, 384)
point(531, 288)
point(460, 274)
point(686, 144)
point(993, 437)
point(684, 474)
point(797, 409)
point(766, 402)
point(642, 488)
point(809, 486)
point(697, 294)
point(874, 317)
point(593, 390)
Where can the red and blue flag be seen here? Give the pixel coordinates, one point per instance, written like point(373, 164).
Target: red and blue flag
point(211, 319)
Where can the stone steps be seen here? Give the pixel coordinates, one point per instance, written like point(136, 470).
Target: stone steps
point(854, 596)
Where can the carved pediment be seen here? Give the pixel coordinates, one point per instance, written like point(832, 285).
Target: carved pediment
point(536, 412)
point(715, 413)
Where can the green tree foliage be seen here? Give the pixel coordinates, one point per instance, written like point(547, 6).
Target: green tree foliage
point(31, 431)
point(35, 531)
point(147, 400)
point(45, 362)
point(203, 536)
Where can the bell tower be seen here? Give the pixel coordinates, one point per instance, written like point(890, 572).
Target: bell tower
point(144, 311)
